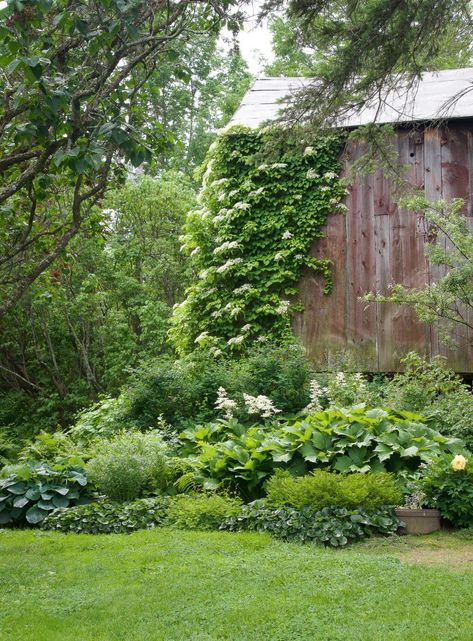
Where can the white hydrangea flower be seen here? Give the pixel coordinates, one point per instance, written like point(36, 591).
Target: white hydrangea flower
point(220, 181)
point(297, 196)
point(226, 246)
point(283, 307)
point(325, 188)
point(309, 151)
point(330, 175)
point(217, 313)
point(232, 193)
point(263, 167)
point(236, 340)
point(287, 235)
point(228, 265)
point(243, 206)
point(195, 251)
point(278, 257)
point(246, 328)
point(311, 173)
point(223, 402)
point(256, 192)
point(261, 405)
point(278, 165)
point(235, 311)
point(204, 273)
point(242, 289)
point(201, 337)
point(262, 339)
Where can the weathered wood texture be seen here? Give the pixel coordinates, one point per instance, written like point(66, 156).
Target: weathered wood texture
point(375, 245)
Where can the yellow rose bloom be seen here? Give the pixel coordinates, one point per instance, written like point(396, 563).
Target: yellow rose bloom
point(459, 463)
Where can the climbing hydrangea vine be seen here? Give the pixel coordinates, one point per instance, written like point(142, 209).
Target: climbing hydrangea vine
point(250, 238)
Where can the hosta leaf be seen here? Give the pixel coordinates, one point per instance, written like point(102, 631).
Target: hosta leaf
point(60, 501)
point(17, 488)
point(35, 515)
point(33, 494)
point(20, 501)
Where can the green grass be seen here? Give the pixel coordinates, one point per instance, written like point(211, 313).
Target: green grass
point(165, 585)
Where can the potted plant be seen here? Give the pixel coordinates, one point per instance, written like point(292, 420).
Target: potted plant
point(414, 518)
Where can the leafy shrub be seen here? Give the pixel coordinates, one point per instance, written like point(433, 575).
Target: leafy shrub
point(450, 490)
point(109, 518)
point(346, 440)
point(201, 511)
point(35, 489)
point(55, 448)
point(8, 447)
point(322, 489)
point(105, 418)
point(185, 391)
point(129, 464)
point(436, 391)
point(281, 373)
point(330, 526)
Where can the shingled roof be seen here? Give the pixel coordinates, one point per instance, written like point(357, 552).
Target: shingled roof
point(438, 95)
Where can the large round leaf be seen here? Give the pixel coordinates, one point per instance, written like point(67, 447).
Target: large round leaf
point(35, 515)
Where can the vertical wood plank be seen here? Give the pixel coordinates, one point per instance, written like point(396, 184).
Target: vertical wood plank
point(361, 272)
point(456, 184)
point(433, 192)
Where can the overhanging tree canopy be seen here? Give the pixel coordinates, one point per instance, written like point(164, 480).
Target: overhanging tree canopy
point(71, 75)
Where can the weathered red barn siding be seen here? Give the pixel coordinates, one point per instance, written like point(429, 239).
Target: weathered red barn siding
point(376, 244)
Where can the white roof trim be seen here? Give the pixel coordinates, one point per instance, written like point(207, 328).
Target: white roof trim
point(438, 95)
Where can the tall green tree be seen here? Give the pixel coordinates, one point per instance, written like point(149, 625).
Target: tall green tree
point(192, 105)
point(99, 311)
point(72, 74)
point(364, 48)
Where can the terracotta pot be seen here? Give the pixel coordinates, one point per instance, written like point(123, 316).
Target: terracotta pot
point(418, 521)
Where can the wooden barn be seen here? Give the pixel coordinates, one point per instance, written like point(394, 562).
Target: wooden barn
point(375, 244)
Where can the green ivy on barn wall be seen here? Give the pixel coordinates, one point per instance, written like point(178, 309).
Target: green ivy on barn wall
point(250, 237)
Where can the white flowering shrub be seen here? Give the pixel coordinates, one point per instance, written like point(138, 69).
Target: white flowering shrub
point(250, 238)
point(342, 390)
point(261, 405)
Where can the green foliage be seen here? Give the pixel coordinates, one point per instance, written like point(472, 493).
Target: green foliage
point(201, 511)
point(330, 526)
point(185, 391)
point(33, 490)
point(323, 489)
point(98, 313)
point(228, 453)
point(362, 48)
point(56, 448)
point(193, 105)
point(261, 209)
point(73, 118)
point(109, 518)
point(129, 464)
point(450, 491)
point(102, 419)
point(436, 391)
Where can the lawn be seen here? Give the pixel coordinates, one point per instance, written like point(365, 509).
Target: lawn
point(167, 585)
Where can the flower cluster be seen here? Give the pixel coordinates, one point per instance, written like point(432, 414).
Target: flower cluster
point(261, 405)
point(226, 404)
